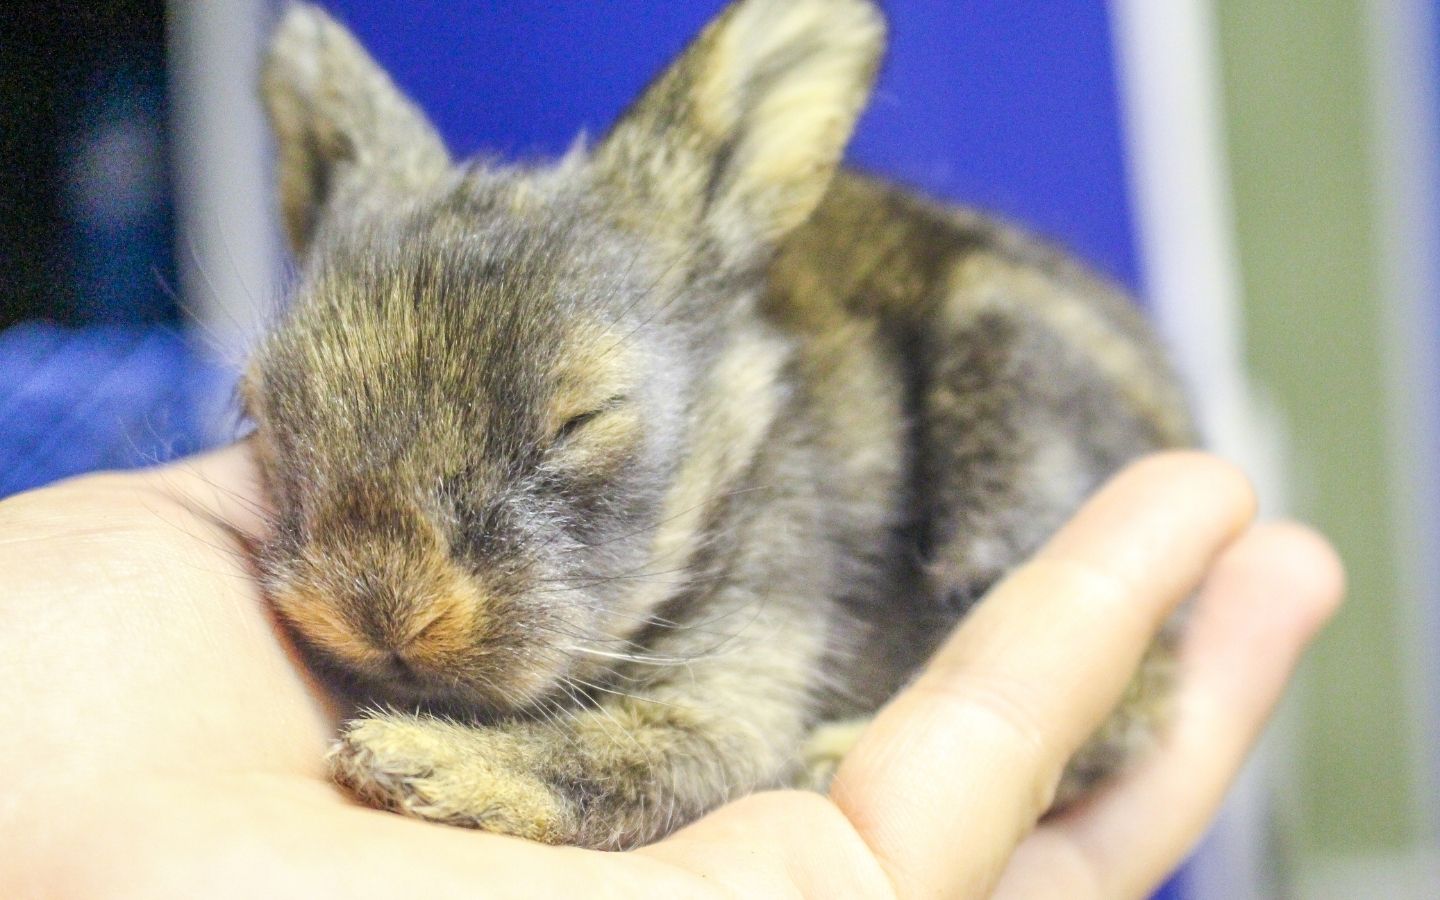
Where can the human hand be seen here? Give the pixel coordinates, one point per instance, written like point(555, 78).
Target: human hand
point(163, 740)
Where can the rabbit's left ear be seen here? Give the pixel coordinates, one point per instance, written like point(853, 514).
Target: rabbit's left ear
point(343, 129)
point(736, 142)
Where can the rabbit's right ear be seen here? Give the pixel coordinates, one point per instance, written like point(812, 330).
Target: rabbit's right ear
point(342, 127)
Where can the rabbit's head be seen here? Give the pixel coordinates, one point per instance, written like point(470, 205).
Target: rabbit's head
point(505, 402)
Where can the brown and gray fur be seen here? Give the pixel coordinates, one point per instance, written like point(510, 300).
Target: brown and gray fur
point(617, 488)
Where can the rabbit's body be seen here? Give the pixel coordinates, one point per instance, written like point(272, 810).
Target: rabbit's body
point(652, 470)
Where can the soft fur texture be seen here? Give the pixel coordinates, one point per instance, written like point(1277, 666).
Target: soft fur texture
point(619, 488)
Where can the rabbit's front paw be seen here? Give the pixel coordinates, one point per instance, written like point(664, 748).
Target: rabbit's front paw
point(825, 748)
point(431, 769)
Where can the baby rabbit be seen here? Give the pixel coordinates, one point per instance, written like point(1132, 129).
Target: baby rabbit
point(606, 486)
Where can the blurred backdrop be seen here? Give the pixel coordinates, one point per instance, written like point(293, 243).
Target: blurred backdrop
point(1262, 174)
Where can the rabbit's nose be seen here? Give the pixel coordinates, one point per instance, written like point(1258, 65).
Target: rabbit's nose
point(401, 668)
point(424, 629)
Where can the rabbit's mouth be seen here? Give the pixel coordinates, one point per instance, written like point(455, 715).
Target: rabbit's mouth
point(396, 683)
point(470, 693)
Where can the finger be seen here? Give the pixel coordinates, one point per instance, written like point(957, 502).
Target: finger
point(214, 499)
point(1265, 601)
point(969, 756)
point(775, 844)
point(222, 484)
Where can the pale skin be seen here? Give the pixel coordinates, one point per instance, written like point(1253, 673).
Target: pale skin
point(161, 740)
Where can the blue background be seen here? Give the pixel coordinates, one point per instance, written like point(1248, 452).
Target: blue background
point(1008, 106)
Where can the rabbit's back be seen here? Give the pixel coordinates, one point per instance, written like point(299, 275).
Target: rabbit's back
point(966, 386)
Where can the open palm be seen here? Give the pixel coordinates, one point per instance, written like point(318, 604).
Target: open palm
point(162, 739)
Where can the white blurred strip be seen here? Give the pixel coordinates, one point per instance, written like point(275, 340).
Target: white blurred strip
point(1405, 84)
point(1180, 186)
point(227, 248)
point(1170, 86)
